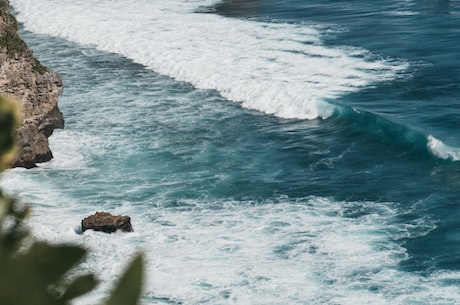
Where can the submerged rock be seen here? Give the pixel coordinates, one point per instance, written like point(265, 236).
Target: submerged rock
point(106, 222)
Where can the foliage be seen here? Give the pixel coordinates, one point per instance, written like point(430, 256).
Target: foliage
point(36, 272)
point(14, 21)
point(15, 46)
point(9, 118)
point(38, 67)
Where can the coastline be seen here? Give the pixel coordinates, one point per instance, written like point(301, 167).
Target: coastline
point(218, 192)
point(34, 86)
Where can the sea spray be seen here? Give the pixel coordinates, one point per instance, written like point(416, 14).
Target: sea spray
point(441, 150)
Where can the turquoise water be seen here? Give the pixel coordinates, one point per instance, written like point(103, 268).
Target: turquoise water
point(278, 152)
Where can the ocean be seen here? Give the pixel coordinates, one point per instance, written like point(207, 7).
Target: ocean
point(268, 152)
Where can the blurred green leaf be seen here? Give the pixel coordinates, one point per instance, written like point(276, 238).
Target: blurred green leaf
point(9, 119)
point(5, 208)
point(11, 235)
point(80, 286)
point(129, 287)
point(52, 262)
point(21, 285)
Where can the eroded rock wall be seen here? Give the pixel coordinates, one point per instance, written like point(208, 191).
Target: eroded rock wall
point(34, 86)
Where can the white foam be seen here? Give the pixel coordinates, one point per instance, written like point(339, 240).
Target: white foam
point(441, 150)
point(280, 69)
point(303, 252)
point(72, 151)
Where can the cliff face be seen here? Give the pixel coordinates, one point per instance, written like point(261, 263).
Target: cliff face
point(37, 89)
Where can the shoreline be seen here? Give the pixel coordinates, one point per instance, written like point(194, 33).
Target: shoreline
point(36, 89)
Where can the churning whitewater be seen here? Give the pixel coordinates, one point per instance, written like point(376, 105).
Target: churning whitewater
point(277, 68)
point(282, 152)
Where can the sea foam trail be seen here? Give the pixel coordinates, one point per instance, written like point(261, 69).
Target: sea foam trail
point(279, 69)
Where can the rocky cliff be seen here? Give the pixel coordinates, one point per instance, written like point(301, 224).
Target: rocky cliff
point(34, 86)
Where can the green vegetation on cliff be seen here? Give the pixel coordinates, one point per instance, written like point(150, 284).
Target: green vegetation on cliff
point(13, 45)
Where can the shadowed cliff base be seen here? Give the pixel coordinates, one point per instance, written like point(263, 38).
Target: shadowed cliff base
point(234, 8)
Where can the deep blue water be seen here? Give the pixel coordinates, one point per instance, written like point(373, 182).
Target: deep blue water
point(389, 162)
point(239, 204)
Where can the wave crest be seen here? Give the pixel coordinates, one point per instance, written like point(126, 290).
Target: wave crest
point(441, 150)
point(276, 68)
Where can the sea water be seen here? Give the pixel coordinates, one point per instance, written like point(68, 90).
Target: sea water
point(268, 152)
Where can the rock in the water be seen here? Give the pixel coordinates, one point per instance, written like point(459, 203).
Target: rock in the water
point(106, 222)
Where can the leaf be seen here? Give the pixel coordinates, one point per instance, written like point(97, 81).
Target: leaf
point(129, 287)
point(80, 286)
point(21, 285)
point(6, 208)
point(13, 233)
point(9, 118)
point(52, 261)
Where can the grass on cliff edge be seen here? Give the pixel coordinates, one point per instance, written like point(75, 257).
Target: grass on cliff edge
point(16, 47)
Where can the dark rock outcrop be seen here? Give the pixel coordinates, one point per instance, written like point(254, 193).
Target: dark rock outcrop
point(106, 222)
point(34, 86)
